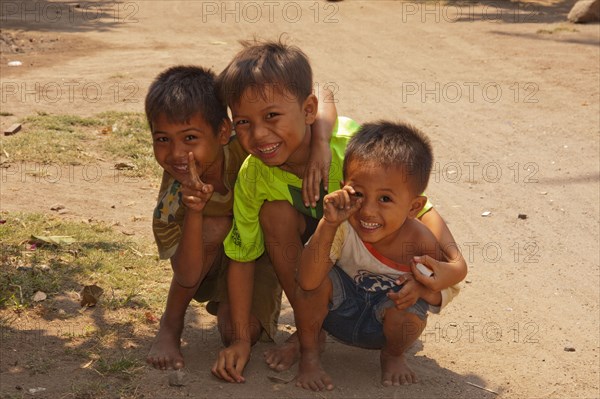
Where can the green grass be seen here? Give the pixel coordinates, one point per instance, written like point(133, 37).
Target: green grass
point(127, 270)
point(132, 141)
point(122, 365)
point(74, 140)
point(37, 363)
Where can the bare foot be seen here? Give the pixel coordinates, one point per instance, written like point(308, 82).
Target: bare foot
point(311, 374)
point(395, 370)
point(284, 356)
point(165, 351)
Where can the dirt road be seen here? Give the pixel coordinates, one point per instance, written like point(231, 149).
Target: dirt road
point(507, 91)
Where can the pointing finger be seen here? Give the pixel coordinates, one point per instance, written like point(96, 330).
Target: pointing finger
point(192, 168)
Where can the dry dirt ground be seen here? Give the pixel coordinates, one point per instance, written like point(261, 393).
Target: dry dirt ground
point(509, 94)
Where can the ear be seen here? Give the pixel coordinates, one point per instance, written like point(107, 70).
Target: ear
point(224, 133)
point(310, 108)
point(416, 205)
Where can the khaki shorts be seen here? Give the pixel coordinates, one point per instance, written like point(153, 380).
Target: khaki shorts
point(266, 295)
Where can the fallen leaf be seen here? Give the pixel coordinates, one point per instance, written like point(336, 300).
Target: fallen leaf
point(124, 166)
point(57, 207)
point(90, 294)
point(150, 318)
point(278, 380)
point(56, 240)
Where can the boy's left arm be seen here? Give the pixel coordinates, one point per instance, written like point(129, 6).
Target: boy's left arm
point(427, 247)
point(445, 274)
point(320, 152)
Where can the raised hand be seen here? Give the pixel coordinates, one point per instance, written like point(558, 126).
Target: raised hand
point(195, 194)
point(339, 205)
point(317, 171)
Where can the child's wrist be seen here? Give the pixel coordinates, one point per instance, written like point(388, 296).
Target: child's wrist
point(193, 212)
point(243, 341)
point(329, 224)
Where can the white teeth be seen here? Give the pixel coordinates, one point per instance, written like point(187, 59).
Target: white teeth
point(269, 149)
point(369, 225)
point(180, 168)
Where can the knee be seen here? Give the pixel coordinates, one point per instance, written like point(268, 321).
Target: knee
point(302, 294)
point(403, 322)
point(215, 229)
point(321, 295)
point(276, 216)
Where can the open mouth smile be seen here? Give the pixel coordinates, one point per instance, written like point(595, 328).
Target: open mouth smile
point(180, 168)
point(369, 226)
point(268, 149)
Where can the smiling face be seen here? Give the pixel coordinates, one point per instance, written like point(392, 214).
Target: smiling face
point(173, 141)
point(388, 201)
point(272, 125)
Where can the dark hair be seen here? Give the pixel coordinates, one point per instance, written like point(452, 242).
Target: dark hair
point(266, 63)
point(181, 92)
point(393, 145)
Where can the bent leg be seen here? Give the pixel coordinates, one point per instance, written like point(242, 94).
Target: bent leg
point(401, 329)
point(310, 311)
point(283, 226)
point(165, 351)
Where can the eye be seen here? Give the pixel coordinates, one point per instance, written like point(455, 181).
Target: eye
point(358, 194)
point(190, 137)
point(385, 198)
point(272, 115)
point(240, 122)
point(161, 139)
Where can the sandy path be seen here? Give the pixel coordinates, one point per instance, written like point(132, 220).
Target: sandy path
point(514, 114)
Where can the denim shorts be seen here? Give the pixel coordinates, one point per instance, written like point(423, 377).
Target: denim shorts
point(356, 316)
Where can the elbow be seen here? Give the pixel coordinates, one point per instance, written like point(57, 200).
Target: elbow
point(306, 284)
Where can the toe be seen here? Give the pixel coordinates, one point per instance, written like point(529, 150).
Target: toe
point(403, 380)
point(178, 364)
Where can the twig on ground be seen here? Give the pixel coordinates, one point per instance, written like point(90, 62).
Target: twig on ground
point(20, 292)
point(480, 387)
